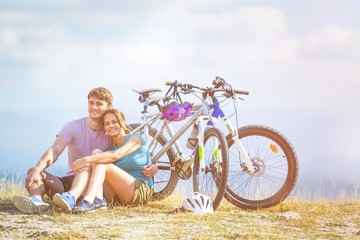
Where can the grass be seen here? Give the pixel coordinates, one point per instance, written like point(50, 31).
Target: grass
point(11, 186)
point(295, 218)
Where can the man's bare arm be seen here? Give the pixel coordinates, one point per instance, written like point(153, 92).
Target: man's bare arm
point(46, 160)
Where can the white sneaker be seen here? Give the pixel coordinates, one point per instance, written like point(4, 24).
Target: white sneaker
point(30, 204)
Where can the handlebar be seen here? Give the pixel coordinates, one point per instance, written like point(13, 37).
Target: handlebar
point(218, 82)
point(176, 83)
point(241, 92)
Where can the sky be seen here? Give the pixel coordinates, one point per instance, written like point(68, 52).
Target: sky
point(300, 61)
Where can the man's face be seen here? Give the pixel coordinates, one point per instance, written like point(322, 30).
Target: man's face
point(97, 107)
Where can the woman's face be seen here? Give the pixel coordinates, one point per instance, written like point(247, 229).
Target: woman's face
point(111, 125)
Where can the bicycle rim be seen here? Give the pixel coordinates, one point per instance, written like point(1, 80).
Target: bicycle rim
point(165, 180)
point(277, 168)
point(211, 181)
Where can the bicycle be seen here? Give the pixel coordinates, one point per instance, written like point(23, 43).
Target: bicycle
point(263, 165)
point(209, 157)
point(262, 173)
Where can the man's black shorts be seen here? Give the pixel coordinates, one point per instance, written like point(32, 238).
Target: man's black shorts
point(67, 181)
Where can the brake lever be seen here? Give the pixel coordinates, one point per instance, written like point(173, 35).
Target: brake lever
point(243, 99)
point(219, 82)
point(187, 89)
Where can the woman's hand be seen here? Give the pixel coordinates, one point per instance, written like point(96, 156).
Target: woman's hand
point(149, 170)
point(80, 165)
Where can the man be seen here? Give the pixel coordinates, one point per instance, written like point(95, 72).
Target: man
point(81, 137)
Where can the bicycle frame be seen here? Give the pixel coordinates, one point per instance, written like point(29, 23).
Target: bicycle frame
point(199, 116)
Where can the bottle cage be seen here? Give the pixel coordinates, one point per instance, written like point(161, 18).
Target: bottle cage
point(176, 112)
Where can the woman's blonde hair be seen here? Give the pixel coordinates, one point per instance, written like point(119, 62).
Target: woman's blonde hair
point(120, 117)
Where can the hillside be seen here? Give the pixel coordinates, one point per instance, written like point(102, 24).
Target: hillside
point(293, 219)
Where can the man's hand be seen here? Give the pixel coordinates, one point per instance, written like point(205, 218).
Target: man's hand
point(32, 177)
point(149, 170)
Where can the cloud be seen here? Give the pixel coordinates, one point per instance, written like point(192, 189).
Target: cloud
point(9, 37)
point(190, 42)
point(244, 24)
point(303, 82)
point(13, 17)
point(333, 43)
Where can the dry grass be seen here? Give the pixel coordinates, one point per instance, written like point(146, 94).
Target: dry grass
point(11, 187)
point(292, 219)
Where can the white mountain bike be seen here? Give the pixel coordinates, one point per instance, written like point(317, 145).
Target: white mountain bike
point(207, 164)
point(263, 166)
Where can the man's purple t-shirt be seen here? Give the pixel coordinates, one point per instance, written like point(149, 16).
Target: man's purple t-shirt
point(83, 140)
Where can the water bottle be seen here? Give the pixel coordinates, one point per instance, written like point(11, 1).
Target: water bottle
point(192, 140)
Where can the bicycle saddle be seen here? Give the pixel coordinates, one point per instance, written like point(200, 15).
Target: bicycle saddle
point(145, 95)
point(147, 91)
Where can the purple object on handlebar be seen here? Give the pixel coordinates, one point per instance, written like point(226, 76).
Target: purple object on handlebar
point(176, 112)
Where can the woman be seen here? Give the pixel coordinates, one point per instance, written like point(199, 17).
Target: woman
point(117, 172)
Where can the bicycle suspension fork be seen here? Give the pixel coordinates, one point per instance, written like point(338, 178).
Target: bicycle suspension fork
point(234, 135)
point(240, 147)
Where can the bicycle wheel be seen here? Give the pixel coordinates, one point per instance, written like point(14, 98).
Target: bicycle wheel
point(211, 181)
point(165, 179)
point(276, 166)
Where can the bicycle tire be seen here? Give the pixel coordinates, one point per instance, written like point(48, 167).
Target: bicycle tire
point(277, 165)
point(212, 182)
point(165, 180)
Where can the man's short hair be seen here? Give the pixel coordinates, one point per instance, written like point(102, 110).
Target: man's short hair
point(102, 94)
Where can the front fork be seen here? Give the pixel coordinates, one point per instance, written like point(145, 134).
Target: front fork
point(240, 147)
point(216, 154)
point(201, 137)
point(200, 147)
